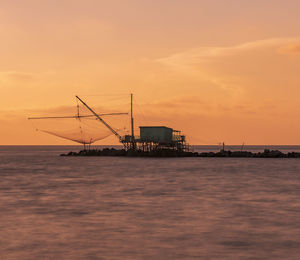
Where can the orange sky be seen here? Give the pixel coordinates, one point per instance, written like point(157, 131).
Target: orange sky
point(218, 70)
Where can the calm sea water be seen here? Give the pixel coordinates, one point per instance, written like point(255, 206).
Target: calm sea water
point(147, 208)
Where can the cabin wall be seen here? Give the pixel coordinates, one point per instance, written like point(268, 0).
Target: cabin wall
point(156, 134)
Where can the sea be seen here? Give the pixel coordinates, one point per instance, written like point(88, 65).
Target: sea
point(54, 207)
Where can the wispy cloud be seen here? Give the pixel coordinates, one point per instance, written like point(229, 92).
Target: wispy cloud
point(239, 68)
point(203, 54)
point(17, 76)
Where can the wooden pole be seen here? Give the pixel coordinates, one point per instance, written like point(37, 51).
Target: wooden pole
point(132, 123)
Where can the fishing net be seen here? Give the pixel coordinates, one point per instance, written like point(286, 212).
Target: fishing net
point(82, 126)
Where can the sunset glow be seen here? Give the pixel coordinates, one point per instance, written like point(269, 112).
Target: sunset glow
point(217, 70)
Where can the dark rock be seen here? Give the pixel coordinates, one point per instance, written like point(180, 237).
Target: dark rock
point(174, 153)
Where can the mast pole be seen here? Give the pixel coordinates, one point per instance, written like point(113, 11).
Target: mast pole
point(132, 122)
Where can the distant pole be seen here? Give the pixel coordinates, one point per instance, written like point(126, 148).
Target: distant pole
point(223, 146)
point(132, 124)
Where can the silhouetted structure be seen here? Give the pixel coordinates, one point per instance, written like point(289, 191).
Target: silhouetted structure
point(157, 138)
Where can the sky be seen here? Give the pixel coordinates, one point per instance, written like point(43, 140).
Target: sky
point(219, 70)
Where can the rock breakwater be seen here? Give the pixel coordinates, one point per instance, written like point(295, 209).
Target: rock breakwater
point(173, 153)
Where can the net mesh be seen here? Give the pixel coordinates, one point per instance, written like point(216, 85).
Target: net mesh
point(83, 126)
